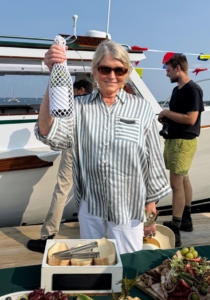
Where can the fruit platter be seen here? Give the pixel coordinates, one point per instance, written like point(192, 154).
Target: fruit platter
point(41, 294)
point(38, 294)
point(185, 276)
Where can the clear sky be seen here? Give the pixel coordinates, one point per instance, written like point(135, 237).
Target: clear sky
point(181, 26)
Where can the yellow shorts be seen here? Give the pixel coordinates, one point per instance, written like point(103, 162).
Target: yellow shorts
point(178, 155)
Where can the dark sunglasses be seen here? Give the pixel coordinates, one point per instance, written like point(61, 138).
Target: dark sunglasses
point(119, 71)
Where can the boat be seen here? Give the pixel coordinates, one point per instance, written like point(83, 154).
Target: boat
point(28, 168)
point(13, 99)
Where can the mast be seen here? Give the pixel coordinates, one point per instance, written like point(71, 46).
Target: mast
point(107, 26)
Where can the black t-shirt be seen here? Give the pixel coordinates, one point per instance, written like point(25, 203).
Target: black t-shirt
point(188, 98)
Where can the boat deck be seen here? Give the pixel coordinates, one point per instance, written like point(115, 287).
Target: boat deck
point(13, 240)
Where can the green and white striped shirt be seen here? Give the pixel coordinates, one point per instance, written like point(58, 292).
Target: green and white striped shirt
point(118, 165)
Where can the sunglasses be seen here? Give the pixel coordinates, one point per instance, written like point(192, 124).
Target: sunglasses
point(119, 71)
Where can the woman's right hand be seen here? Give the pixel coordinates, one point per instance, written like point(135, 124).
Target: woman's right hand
point(55, 54)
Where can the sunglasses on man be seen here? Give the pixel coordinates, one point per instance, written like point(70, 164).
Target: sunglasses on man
point(119, 71)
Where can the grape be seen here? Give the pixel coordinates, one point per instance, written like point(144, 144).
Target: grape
point(195, 254)
point(60, 294)
point(49, 297)
point(48, 293)
point(189, 255)
point(30, 295)
point(184, 251)
point(36, 297)
point(192, 249)
point(55, 294)
point(41, 291)
point(39, 294)
point(38, 291)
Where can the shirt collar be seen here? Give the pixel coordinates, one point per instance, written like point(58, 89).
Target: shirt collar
point(121, 95)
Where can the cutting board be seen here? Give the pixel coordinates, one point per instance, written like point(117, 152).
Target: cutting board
point(150, 292)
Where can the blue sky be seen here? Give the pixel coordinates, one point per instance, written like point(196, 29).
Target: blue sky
point(179, 26)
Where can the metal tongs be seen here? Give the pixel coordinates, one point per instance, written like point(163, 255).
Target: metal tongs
point(72, 253)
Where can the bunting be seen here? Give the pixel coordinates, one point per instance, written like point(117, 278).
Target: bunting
point(167, 56)
point(139, 71)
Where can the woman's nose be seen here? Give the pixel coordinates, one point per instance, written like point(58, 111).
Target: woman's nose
point(112, 74)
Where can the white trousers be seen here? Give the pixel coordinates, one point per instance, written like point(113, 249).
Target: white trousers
point(129, 237)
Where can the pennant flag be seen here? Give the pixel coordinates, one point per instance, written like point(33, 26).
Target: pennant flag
point(197, 70)
point(164, 67)
point(205, 56)
point(139, 71)
point(168, 56)
point(204, 59)
point(139, 48)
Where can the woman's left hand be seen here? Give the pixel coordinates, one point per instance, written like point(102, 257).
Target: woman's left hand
point(150, 231)
point(150, 227)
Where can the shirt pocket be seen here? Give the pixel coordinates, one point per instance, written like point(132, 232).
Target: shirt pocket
point(127, 129)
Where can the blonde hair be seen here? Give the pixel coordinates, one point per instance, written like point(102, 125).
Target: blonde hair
point(115, 50)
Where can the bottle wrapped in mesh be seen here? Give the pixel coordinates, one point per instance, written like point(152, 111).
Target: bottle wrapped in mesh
point(61, 91)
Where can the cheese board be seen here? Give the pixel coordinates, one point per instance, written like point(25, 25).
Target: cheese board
point(177, 278)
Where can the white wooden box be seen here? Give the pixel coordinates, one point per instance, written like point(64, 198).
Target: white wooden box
point(81, 279)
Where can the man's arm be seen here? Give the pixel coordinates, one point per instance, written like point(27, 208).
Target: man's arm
point(189, 118)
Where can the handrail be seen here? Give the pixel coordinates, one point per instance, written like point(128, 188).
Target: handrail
point(24, 38)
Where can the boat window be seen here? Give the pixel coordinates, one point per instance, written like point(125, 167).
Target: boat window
point(21, 93)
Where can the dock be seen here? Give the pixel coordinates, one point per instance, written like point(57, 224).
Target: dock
point(13, 240)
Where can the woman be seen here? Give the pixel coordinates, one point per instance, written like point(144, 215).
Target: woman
point(118, 168)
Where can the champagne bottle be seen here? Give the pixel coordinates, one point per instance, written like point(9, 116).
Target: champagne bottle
point(61, 91)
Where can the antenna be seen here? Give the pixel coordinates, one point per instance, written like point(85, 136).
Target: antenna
point(75, 17)
point(107, 26)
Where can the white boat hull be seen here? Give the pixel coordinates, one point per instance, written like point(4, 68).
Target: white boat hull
point(26, 194)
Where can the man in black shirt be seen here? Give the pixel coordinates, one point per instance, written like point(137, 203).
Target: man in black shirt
point(184, 118)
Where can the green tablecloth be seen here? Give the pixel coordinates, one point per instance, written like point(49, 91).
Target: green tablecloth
point(28, 278)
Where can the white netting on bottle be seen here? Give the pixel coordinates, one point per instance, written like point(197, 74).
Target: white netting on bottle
point(61, 91)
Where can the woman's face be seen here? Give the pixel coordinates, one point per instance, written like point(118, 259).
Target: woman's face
point(111, 83)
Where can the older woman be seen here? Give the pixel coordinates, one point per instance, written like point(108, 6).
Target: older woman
point(118, 168)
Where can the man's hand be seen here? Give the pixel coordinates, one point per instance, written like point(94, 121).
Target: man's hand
point(162, 115)
point(189, 118)
point(55, 54)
